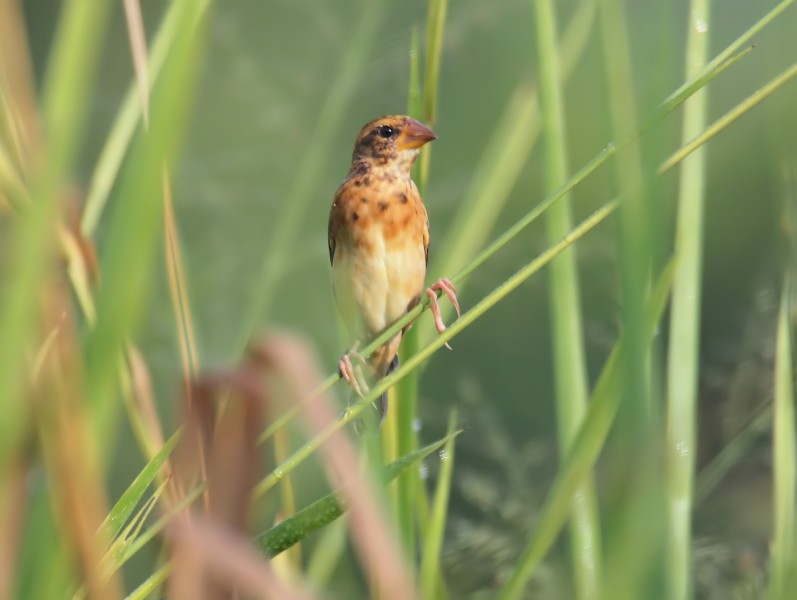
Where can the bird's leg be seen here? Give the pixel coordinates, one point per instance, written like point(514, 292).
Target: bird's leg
point(348, 373)
point(445, 286)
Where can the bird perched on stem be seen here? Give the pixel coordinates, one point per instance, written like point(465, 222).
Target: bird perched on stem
point(379, 243)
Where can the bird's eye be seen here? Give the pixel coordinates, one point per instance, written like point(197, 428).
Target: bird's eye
point(386, 131)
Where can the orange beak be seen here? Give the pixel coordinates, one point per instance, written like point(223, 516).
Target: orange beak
point(414, 135)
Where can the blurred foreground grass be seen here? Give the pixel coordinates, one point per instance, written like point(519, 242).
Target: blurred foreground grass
point(219, 164)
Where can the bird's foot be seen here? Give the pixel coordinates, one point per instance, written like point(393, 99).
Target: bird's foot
point(445, 286)
point(348, 373)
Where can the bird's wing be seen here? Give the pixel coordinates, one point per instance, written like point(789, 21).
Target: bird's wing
point(331, 242)
point(425, 234)
point(332, 226)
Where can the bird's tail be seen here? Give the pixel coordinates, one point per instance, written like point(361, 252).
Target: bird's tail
point(381, 404)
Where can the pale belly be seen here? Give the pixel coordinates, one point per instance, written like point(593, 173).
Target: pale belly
point(374, 289)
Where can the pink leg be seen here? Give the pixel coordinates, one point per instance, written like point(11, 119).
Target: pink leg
point(445, 286)
point(347, 372)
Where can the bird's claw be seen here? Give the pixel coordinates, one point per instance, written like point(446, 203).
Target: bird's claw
point(445, 286)
point(347, 372)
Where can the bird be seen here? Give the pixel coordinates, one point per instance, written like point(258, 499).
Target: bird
point(378, 235)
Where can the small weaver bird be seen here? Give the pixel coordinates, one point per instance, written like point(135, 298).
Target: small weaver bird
point(379, 243)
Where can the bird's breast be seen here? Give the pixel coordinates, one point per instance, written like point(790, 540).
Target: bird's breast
point(380, 262)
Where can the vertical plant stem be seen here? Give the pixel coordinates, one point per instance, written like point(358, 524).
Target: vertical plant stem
point(683, 353)
point(632, 454)
point(784, 450)
point(433, 542)
point(569, 359)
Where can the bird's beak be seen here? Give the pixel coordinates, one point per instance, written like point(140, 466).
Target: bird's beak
point(414, 135)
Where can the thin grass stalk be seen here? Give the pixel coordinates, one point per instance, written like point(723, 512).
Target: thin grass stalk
point(732, 454)
point(276, 255)
point(178, 292)
point(784, 449)
point(683, 357)
point(435, 26)
point(151, 585)
point(570, 368)
point(431, 579)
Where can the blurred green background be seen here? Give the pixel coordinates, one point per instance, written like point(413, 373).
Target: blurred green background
point(269, 70)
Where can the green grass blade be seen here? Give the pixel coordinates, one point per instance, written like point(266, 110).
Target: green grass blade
point(587, 446)
point(325, 510)
point(433, 542)
point(128, 501)
point(784, 448)
point(570, 368)
point(118, 558)
point(684, 344)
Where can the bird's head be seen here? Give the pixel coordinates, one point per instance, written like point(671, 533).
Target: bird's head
point(391, 142)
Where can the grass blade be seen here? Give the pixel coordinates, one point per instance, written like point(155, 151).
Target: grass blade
point(433, 542)
point(128, 501)
point(684, 344)
point(570, 368)
point(784, 448)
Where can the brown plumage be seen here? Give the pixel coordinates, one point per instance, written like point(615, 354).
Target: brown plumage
point(379, 238)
